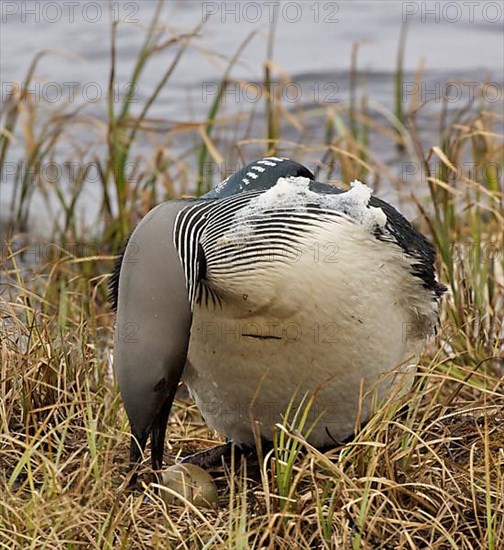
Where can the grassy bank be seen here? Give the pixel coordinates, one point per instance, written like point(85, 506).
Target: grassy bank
point(430, 477)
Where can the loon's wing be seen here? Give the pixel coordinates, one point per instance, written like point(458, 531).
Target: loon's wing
point(383, 221)
point(394, 228)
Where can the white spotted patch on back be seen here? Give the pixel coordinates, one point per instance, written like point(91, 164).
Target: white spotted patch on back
point(277, 159)
point(221, 185)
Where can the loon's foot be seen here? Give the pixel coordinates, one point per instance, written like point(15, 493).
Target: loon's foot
point(212, 456)
point(215, 456)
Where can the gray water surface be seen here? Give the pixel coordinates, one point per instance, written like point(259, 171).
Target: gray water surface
point(454, 41)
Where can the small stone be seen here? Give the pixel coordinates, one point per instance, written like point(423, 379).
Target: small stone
point(191, 482)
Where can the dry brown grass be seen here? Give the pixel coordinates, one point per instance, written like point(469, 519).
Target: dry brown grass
point(431, 475)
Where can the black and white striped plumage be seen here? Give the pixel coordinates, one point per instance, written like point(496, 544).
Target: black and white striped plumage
point(294, 288)
point(199, 227)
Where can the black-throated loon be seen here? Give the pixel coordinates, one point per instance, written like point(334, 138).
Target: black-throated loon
point(271, 287)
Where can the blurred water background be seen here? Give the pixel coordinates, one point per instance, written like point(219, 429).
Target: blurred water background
point(445, 41)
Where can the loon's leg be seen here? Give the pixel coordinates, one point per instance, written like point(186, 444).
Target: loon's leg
point(214, 456)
